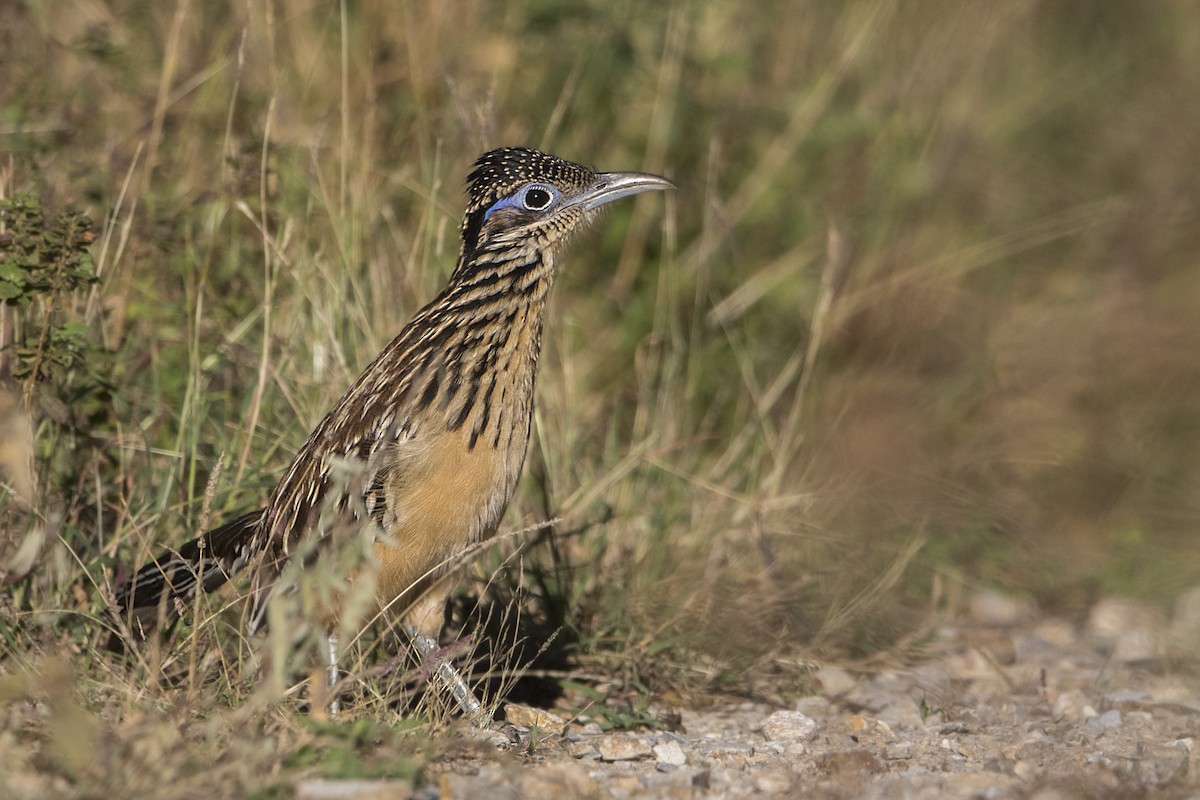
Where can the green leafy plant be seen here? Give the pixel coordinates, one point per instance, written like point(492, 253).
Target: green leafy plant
point(45, 266)
point(611, 714)
point(42, 261)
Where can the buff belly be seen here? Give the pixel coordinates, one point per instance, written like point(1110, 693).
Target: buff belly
point(440, 499)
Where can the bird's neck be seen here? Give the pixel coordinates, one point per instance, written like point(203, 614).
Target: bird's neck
point(491, 317)
point(466, 362)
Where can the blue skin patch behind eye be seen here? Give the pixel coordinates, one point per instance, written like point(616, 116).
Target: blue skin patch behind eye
point(517, 199)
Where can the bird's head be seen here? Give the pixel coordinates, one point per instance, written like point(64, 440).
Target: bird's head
point(518, 195)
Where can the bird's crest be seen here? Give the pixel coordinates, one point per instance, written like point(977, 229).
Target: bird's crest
point(501, 172)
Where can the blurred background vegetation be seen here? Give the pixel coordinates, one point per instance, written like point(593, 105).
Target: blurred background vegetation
point(921, 317)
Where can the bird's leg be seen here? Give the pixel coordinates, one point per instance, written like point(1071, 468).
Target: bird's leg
point(427, 648)
point(335, 702)
point(422, 622)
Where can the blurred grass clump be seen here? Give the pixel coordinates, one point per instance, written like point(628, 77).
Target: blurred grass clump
point(921, 316)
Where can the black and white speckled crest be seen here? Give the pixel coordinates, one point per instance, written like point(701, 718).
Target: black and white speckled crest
point(501, 172)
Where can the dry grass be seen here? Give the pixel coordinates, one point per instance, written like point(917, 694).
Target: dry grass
point(921, 316)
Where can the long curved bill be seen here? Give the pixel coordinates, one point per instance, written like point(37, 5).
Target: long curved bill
point(610, 186)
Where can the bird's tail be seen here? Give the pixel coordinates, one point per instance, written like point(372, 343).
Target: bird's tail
point(175, 575)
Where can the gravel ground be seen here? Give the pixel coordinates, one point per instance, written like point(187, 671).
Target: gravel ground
point(1013, 705)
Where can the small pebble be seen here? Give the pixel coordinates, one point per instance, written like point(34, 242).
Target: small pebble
point(583, 749)
point(774, 781)
point(998, 610)
point(670, 753)
point(834, 680)
point(618, 747)
point(789, 726)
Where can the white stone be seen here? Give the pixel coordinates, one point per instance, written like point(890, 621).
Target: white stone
point(319, 789)
point(789, 726)
point(998, 610)
point(618, 747)
point(670, 752)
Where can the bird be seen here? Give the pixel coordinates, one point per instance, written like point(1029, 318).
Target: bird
point(437, 425)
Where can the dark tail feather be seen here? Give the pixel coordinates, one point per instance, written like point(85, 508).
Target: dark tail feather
point(211, 559)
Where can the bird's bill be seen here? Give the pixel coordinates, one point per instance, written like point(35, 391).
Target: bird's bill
point(610, 186)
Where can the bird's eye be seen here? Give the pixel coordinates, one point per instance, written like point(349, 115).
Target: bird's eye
point(537, 198)
point(532, 197)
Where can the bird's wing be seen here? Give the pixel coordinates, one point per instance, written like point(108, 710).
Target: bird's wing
point(333, 485)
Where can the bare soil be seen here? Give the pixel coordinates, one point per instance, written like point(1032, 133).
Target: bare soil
point(1013, 704)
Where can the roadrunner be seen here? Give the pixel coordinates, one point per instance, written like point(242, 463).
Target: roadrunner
point(438, 423)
